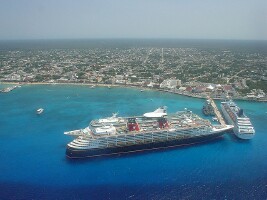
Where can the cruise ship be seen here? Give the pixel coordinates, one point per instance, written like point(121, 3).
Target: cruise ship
point(153, 130)
point(235, 116)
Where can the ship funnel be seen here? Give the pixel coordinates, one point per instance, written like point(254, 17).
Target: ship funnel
point(163, 123)
point(132, 125)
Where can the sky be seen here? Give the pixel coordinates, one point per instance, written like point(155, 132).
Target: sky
point(182, 19)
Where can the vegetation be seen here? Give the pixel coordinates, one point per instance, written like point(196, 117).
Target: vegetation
point(257, 85)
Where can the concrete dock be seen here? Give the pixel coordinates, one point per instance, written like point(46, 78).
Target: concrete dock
point(217, 112)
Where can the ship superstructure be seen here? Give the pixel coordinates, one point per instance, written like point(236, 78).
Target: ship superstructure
point(140, 133)
point(235, 116)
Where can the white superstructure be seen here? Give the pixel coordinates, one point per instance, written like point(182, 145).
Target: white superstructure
point(235, 116)
point(160, 112)
point(113, 120)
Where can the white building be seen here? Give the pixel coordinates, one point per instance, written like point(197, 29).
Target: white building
point(151, 84)
point(170, 83)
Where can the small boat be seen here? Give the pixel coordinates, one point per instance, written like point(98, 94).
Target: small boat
point(215, 119)
point(93, 86)
point(39, 111)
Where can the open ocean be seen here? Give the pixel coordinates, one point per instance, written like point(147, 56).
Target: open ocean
point(33, 163)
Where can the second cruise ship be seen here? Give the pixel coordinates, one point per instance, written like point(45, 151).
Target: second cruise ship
point(235, 116)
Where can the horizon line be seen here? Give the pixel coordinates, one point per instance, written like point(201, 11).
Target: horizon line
point(129, 38)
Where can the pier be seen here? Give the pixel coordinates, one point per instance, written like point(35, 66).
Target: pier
point(217, 112)
point(9, 89)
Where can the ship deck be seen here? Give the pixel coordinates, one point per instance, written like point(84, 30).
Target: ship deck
point(178, 121)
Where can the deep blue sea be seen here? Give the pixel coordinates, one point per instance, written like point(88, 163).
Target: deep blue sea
point(33, 163)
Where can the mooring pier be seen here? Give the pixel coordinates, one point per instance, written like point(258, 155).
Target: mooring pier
point(216, 111)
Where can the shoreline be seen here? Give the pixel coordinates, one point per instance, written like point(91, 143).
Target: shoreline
point(122, 86)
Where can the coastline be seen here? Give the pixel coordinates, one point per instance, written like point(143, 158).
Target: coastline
point(125, 86)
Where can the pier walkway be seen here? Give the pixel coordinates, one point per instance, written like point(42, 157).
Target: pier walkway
point(217, 112)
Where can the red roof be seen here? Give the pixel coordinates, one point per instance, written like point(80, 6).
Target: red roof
point(189, 89)
point(227, 87)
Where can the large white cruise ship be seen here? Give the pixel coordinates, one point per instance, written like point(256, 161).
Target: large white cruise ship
point(153, 130)
point(235, 116)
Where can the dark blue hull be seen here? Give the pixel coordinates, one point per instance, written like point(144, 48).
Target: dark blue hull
point(74, 153)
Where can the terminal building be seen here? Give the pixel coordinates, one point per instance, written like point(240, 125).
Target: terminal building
point(170, 83)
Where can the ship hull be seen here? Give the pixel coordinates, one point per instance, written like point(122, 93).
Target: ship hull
point(77, 153)
point(243, 136)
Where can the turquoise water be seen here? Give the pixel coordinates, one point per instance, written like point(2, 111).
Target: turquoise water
point(33, 163)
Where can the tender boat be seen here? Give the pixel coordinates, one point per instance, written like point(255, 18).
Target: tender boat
point(39, 111)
